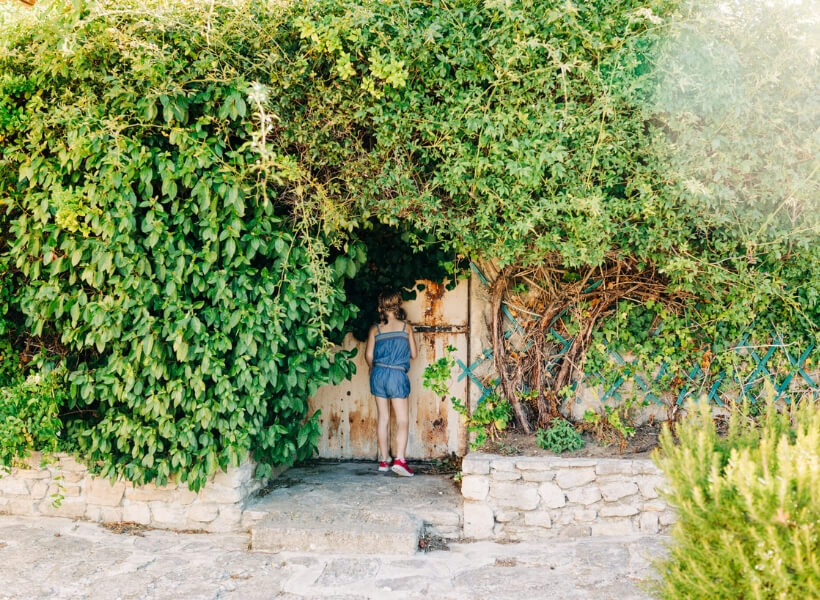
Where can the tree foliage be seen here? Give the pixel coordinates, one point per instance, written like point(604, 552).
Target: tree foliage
point(153, 250)
point(745, 504)
point(187, 187)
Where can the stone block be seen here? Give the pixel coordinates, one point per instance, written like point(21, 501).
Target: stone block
point(478, 520)
point(505, 516)
point(475, 487)
point(666, 518)
point(561, 517)
point(185, 496)
point(111, 514)
point(73, 508)
point(39, 490)
point(538, 476)
point(73, 476)
point(136, 512)
point(533, 463)
point(573, 531)
point(572, 478)
point(92, 513)
point(234, 477)
point(104, 492)
point(613, 466)
point(585, 495)
point(33, 461)
point(574, 463)
point(649, 523)
point(615, 491)
point(515, 495)
point(229, 519)
point(552, 496)
point(69, 463)
point(203, 513)
point(32, 474)
point(475, 465)
point(219, 494)
point(654, 506)
point(506, 475)
point(503, 464)
point(70, 491)
point(11, 486)
point(252, 517)
point(649, 486)
point(612, 527)
point(618, 510)
point(20, 505)
point(644, 466)
point(166, 515)
point(585, 515)
point(538, 518)
point(151, 493)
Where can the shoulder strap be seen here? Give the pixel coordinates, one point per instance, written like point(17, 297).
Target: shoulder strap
point(379, 329)
point(404, 327)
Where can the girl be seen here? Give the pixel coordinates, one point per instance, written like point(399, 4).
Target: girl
point(390, 346)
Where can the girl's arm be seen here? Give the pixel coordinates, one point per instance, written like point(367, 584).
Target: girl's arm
point(371, 343)
point(412, 336)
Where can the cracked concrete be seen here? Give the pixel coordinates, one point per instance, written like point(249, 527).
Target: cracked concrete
point(62, 559)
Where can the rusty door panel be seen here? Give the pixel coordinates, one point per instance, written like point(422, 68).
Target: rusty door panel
point(349, 416)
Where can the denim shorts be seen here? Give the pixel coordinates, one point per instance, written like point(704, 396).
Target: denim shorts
point(389, 382)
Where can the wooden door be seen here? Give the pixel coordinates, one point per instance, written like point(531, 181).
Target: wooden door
point(349, 417)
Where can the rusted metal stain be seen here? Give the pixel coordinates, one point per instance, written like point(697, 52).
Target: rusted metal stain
point(363, 423)
point(433, 293)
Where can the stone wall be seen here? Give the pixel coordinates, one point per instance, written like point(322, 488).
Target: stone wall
point(218, 506)
point(518, 498)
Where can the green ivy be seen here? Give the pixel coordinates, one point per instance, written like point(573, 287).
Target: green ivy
point(29, 417)
point(559, 437)
point(485, 421)
point(397, 258)
point(192, 307)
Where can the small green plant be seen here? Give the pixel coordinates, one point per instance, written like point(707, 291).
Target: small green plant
point(560, 437)
point(29, 417)
point(613, 425)
point(746, 504)
point(490, 417)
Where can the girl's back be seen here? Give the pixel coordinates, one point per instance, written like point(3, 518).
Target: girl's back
point(392, 345)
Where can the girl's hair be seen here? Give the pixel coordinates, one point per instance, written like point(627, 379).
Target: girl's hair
point(390, 302)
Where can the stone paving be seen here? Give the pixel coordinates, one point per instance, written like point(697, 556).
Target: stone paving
point(50, 557)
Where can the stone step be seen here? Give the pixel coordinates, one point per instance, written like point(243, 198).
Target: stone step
point(345, 531)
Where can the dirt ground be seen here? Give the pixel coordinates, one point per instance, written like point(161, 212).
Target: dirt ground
point(514, 443)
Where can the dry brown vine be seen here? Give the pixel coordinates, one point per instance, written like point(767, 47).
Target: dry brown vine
point(553, 292)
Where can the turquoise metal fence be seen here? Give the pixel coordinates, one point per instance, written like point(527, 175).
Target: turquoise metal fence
point(697, 380)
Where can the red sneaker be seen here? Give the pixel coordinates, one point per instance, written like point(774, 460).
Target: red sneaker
point(384, 465)
point(400, 468)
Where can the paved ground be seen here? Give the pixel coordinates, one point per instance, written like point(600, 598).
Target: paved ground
point(64, 559)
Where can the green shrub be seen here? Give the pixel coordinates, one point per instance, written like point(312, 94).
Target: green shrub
point(159, 240)
point(747, 505)
point(29, 417)
point(559, 437)
point(487, 420)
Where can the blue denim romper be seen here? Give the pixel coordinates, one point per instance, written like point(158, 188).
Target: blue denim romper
point(391, 361)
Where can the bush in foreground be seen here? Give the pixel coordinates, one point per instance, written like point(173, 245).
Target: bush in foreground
point(747, 505)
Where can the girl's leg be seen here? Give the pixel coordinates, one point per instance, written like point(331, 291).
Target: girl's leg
point(400, 407)
point(384, 424)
